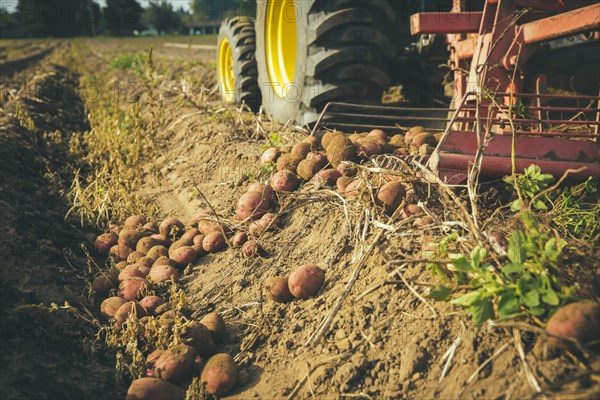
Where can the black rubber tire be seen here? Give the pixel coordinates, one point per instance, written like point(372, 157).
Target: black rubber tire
point(343, 53)
point(239, 31)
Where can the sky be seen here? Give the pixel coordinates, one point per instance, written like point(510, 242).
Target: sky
point(10, 5)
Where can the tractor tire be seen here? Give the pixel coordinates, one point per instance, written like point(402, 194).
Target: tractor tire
point(236, 63)
point(311, 52)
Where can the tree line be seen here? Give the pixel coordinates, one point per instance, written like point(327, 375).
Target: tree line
point(70, 18)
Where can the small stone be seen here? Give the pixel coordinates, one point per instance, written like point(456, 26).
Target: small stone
point(344, 344)
point(340, 334)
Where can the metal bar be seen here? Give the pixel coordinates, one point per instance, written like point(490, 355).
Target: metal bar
point(552, 134)
point(389, 117)
point(564, 24)
point(445, 22)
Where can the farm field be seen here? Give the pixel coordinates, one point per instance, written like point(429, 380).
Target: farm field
point(94, 131)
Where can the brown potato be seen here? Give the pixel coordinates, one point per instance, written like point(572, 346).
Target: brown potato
point(250, 249)
point(119, 252)
point(189, 235)
point(145, 261)
point(346, 169)
point(266, 191)
point(378, 133)
point(328, 136)
point(121, 265)
point(132, 271)
point(219, 374)
point(104, 242)
point(110, 306)
point(154, 389)
point(355, 188)
point(313, 142)
point(340, 149)
point(130, 237)
point(285, 180)
point(308, 168)
point(252, 205)
point(163, 273)
point(391, 195)
point(423, 138)
point(214, 242)
point(203, 213)
point(198, 240)
point(130, 288)
point(197, 335)
point(208, 226)
point(327, 176)
point(579, 321)
point(410, 210)
point(171, 227)
point(151, 227)
point(319, 158)
point(125, 310)
point(102, 285)
point(306, 281)
point(160, 239)
point(134, 222)
point(145, 244)
point(175, 364)
point(157, 251)
point(277, 289)
point(288, 162)
point(184, 255)
point(301, 149)
point(162, 260)
point(412, 132)
point(425, 150)
point(397, 141)
point(366, 148)
point(215, 324)
point(151, 303)
point(342, 183)
point(270, 155)
point(134, 256)
point(239, 239)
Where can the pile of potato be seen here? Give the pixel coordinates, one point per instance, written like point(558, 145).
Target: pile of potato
point(147, 254)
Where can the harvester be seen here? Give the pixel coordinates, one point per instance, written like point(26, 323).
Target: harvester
point(489, 76)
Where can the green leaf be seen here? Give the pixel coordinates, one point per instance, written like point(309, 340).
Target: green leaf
point(462, 264)
point(482, 310)
point(467, 299)
point(550, 297)
point(540, 205)
point(440, 293)
point(513, 268)
point(516, 250)
point(532, 298)
point(508, 304)
point(515, 205)
point(477, 255)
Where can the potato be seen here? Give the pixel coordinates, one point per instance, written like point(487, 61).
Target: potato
point(579, 321)
point(328, 136)
point(134, 256)
point(306, 281)
point(198, 240)
point(285, 180)
point(288, 162)
point(151, 360)
point(197, 335)
point(355, 188)
point(208, 226)
point(319, 158)
point(121, 265)
point(327, 176)
point(265, 190)
point(154, 389)
point(151, 227)
point(346, 169)
point(422, 222)
point(116, 229)
point(130, 237)
point(268, 221)
point(423, 138)
point(132, 271)
point(301, 149)
point(145, 244)
point(145, 261)
point(160, 239)
point(102, 285)
point(277, 289)
point(250, 249)
point(163, 273)
point(189, 235)
point(171, 227)
point(312, 141)
point(130, 288)
point(175, 364)
point(397, 141)
point(342, 183)
point(157, 251)
point(215, 324)
point(270, 155)
point(134, 222)
point(104, 242)
point(252, 205)
point(286, 149)
point(410, 210)
point(162, 260)
point(179, 243)
point(239, 239)
point(167, 319)
point(412, 132)
point(219, 374)
point(110, 306)
point(203, 213)
point(340, 149)
point(214, 242)
point(366, 148)
point(119, 252)
point(151, 303)
point(400, 151)
point(184, 255)
point(378, 133)
point(127, 309)
point(391, 195)
point(308, 168)
point(425, 150)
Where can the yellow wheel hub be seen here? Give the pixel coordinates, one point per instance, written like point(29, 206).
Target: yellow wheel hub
point(280, 44)
point(226, 76)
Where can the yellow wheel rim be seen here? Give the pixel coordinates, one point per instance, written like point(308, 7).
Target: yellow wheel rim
point(280, 44)
point(226, 76)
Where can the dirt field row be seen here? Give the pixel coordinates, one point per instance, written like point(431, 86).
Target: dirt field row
point(152, 138)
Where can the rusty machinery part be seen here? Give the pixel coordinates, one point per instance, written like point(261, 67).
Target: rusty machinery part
point(312, 52)
point(236, 63)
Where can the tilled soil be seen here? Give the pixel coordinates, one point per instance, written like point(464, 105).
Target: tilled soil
point(384, 341)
